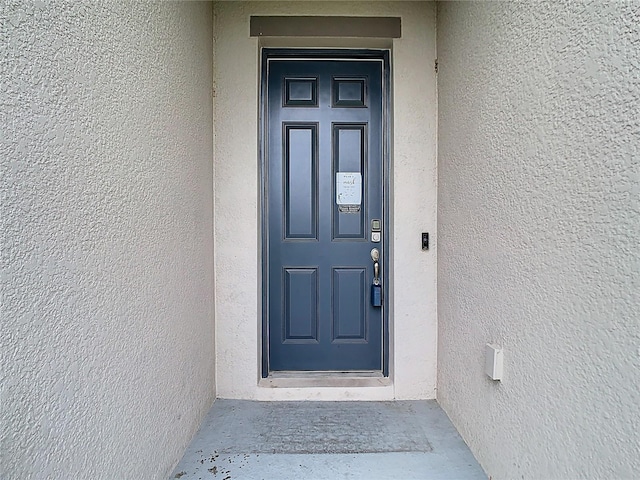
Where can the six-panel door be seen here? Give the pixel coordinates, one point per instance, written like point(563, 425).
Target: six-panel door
point(324, 169)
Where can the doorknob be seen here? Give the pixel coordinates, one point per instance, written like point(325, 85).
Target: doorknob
point(375, 256)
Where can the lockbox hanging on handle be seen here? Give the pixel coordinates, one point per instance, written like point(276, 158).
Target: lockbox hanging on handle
point(376, 295)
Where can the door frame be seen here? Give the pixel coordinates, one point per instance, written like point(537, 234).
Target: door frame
point(383, 55)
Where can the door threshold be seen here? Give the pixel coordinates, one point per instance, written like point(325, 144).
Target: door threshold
point(293, 379)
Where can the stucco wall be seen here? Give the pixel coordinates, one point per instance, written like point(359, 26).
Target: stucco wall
point(237, 233)
point(107, 340)
point(539, 220)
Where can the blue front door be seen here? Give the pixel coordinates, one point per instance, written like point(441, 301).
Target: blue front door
point(323, 185)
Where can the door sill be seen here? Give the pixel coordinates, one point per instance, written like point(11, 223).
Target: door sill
point(291, 379)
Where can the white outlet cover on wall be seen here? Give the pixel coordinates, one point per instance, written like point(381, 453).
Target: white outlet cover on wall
point(493, 361)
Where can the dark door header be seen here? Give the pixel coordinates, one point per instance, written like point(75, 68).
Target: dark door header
point(367, 27)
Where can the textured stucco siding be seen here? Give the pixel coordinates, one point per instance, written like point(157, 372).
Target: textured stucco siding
point(539, 221)
point(107, 338)
point(237, 208)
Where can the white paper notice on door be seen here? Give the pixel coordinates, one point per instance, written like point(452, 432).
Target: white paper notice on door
point(348, 188)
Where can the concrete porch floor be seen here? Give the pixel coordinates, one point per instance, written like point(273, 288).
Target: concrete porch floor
point(401, 440)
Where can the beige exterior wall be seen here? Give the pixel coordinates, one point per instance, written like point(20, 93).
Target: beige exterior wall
point(237, 220)
point(539, 219)
point(106, 321)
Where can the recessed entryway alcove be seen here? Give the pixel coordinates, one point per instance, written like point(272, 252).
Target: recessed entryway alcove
point(407, 32)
